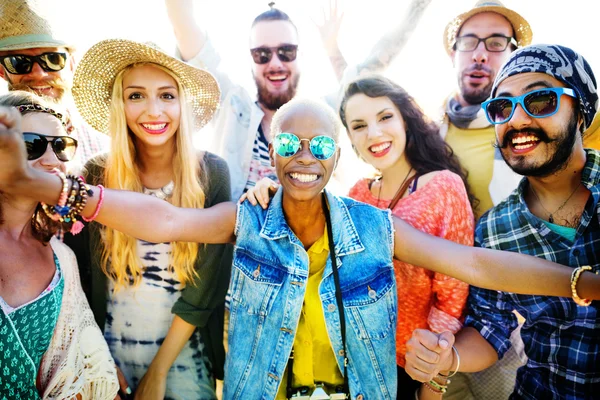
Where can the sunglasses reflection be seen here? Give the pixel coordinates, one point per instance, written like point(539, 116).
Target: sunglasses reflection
point(287, 144)
point(64, 147)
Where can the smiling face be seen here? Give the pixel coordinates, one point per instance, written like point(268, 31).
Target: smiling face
point(377, 130)
point(276, 81)
point(152, 107)
point(303, 176)
point(54, 84)
point(537, 146)
point(46, 125)
point(477, 69)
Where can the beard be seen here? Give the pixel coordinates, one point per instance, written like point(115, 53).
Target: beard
point(273, 101)
point(59, 87)
point(478, 95)
point(562, 146)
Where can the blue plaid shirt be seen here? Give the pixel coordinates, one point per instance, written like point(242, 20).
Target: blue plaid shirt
point(562, 340)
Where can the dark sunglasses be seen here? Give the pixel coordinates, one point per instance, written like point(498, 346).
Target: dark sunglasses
point(20, 64)
point(537, 103)
point(494, 43)
point(285, 53)
point(287, 144)
point(63, 146)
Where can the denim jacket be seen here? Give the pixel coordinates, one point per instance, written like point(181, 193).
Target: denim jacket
point(268, 282)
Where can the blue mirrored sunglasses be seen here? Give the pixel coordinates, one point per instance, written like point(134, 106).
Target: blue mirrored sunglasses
point(287, 144)
point(538, 103)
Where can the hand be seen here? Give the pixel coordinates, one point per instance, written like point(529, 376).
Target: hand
point(260, 193)
point(13, 155)
point(329, 28)
point(152, 386)
point(428, 353)
point(124, 388)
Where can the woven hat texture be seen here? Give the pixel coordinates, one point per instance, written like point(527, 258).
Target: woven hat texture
point(27, 24)
point(523, 33)
point(96, 72)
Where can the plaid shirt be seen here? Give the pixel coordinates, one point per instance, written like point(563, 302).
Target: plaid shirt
point(562, 340)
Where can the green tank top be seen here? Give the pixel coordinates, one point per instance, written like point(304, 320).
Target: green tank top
point(25, 335)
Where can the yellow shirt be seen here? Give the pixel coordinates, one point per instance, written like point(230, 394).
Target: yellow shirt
point(314, 360)
point(591, 137)
point(474, 150)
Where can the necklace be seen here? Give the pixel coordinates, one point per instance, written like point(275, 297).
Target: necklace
point(162, 193)
point(550, 214)
point(399, 188)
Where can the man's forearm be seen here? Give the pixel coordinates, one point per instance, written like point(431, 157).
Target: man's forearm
point(190, 37)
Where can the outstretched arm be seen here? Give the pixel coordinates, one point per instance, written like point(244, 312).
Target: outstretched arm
point(489, 269)
point(188, 34)
point(141, 216)
point(329, 29)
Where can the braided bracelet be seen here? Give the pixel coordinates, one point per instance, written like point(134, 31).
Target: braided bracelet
point(100, 201)
point(574, 279)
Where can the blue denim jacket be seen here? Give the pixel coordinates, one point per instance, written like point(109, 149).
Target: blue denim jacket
point(268, 282)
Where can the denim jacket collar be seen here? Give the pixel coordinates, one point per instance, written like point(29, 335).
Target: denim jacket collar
point(345, 235)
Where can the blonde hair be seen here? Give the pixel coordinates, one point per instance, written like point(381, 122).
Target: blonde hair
point(120, 261)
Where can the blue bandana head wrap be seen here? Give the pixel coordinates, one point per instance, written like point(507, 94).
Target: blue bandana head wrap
point(561, 63)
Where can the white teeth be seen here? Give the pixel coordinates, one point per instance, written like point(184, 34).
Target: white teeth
point(524, 139)
point(154, 127)
point(277, 77)
point(380, 147)
point(523, 146)
point(304, 177)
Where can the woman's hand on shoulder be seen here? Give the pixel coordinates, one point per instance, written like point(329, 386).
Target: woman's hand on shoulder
point(13, 155)
point(260, 193)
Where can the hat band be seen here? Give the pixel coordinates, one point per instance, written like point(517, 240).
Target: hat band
point(12, 41)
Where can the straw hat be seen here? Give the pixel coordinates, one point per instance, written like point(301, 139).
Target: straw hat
point(520, 26)
point(26, 24)
point(96, 72)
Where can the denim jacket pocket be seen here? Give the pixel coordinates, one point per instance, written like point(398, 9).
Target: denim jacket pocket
point(256, 283)
point(371, 306)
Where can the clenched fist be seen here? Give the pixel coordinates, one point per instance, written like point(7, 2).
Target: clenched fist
point(428, 353)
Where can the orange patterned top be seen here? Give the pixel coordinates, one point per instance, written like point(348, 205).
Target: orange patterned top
point(427, 299)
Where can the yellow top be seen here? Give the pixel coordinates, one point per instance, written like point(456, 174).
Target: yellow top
point(474, 150)
point(314, 360)
point(591, 137)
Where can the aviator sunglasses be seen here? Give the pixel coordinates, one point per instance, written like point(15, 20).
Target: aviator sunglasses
point(285, 53)
point(63, 146)
point(537, 104)
point(288, 144)
point(20, 64)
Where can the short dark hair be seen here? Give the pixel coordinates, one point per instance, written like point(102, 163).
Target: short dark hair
point(273, 14)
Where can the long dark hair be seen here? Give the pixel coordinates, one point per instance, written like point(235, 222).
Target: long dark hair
point(425, 150)
point(42, 227)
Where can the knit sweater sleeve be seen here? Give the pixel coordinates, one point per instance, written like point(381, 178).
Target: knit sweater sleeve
point(199, 299)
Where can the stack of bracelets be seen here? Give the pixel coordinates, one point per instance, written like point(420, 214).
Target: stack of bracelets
point(72, 200)
point(440, 387)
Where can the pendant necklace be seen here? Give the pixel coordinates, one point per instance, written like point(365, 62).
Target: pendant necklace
point(162, 193)
point(550, 214)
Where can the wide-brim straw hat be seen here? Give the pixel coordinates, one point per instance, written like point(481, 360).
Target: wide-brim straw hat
point(96, 72)
point(28, 24)
point(522, 30)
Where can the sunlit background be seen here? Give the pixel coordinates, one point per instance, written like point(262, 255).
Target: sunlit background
point(423, 67)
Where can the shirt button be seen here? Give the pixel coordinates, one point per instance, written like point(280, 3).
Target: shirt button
point(341, 353)
point(256, 272)
point(372, 294)
point(576, 252)
point(306, 343)
point(331, 308)
point(359, 397)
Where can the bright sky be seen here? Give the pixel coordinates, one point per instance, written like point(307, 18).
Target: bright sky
point(423, 67)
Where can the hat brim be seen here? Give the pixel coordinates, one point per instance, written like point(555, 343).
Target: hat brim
point(521, 27)
point(31, 42)
point(96, 72)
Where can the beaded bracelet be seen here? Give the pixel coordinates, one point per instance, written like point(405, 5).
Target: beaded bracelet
point(100, 201)
point(574, 279)
point(438, 386)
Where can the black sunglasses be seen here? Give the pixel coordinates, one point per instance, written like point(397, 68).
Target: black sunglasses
point(20, 64)
point(63, 146)
point(285, 53)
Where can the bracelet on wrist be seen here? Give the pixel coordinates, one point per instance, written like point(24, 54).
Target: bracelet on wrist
point(575, 275)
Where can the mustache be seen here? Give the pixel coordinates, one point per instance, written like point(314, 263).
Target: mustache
point(511, 133)
point(478, 67)
point(27, 84)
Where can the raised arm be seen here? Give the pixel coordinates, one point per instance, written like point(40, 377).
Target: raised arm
point(188, 34)
point(489, 269)
point(329, 29)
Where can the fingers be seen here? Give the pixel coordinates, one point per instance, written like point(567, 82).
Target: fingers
point(427, 354)
point(10, 119)
point(123, 385)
